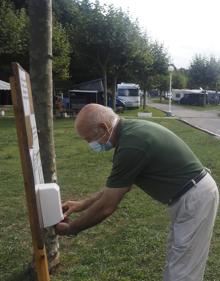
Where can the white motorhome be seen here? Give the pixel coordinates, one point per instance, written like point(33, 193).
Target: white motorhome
point(129, 93)
point(178, 94)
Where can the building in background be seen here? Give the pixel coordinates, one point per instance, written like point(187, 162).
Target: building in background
point(5, 93)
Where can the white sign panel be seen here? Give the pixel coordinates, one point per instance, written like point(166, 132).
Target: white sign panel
point(34, 133)
point(34, 149)
point(24, 91)
point(35, 153)
point(37, 168)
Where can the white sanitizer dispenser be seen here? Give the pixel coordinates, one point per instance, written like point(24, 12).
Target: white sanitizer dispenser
point(50, 203)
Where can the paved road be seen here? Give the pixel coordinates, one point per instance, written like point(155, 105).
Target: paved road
point(206, 120)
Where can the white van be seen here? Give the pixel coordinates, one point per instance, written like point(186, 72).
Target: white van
point(129, 93)
point(178, 94)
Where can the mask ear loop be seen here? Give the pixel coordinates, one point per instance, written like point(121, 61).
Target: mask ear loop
point(108, 130)
point(101, 137)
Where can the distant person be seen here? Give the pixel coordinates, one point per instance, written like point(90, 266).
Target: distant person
point(59, 105)
point(161, 164)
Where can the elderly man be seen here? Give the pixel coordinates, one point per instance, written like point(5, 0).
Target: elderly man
point(162, 165)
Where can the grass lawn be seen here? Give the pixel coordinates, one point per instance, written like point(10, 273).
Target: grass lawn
point(129, 246)
point(8, 110)
point(133, 113)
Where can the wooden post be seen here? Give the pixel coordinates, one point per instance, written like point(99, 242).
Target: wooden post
point(30, 162)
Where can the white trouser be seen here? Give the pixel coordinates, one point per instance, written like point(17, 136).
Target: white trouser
point(192, 221)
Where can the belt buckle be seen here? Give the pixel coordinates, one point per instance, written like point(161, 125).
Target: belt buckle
point(193, 182)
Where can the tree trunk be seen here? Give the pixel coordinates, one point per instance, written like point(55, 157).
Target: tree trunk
point(40, 12)
point(105, 87)
point(144, 99)
point(114, 93)
point(204, 98)
point(160, 96)
point(103, 68)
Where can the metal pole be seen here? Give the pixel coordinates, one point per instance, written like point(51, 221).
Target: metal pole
point(170, 69)
point(170, 93)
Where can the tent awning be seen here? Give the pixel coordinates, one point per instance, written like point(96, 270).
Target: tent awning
point(83, 91)
point(4, 86)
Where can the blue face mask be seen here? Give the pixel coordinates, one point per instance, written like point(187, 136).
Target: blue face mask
point(98, 147)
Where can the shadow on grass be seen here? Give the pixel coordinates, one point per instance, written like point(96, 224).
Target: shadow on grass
point(26, 275)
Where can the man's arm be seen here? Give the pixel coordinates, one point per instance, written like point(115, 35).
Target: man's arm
point(77, 206)
point(96, 213)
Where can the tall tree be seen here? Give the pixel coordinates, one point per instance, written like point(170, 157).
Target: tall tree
point(94, 41)
point(122, 40)
point(151, 64)
point(161, 82)
point(13, 37)
point(180, 79)
point(61, 52)
point(204, 72)
point(98, 38)
point(142, 65)
point(40, 12)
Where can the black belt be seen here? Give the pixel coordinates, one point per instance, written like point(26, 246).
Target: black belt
point(187, 186)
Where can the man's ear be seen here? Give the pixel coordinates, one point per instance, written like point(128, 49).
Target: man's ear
point(103, 126)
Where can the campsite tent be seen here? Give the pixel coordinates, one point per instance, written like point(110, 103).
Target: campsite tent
point(5, 95)
point(4, 86)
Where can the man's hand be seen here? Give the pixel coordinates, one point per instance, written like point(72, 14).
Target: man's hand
point(97, 208)
point(70, 207)
point(63, 227)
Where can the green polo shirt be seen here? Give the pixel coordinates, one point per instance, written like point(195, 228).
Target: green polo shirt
point(152, 157)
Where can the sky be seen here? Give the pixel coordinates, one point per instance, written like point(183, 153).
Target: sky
point(184, 27)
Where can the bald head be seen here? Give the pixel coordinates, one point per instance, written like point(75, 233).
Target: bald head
point(91, 118)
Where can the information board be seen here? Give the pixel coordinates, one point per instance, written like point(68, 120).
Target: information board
point(30, 122)
point(30, 161)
